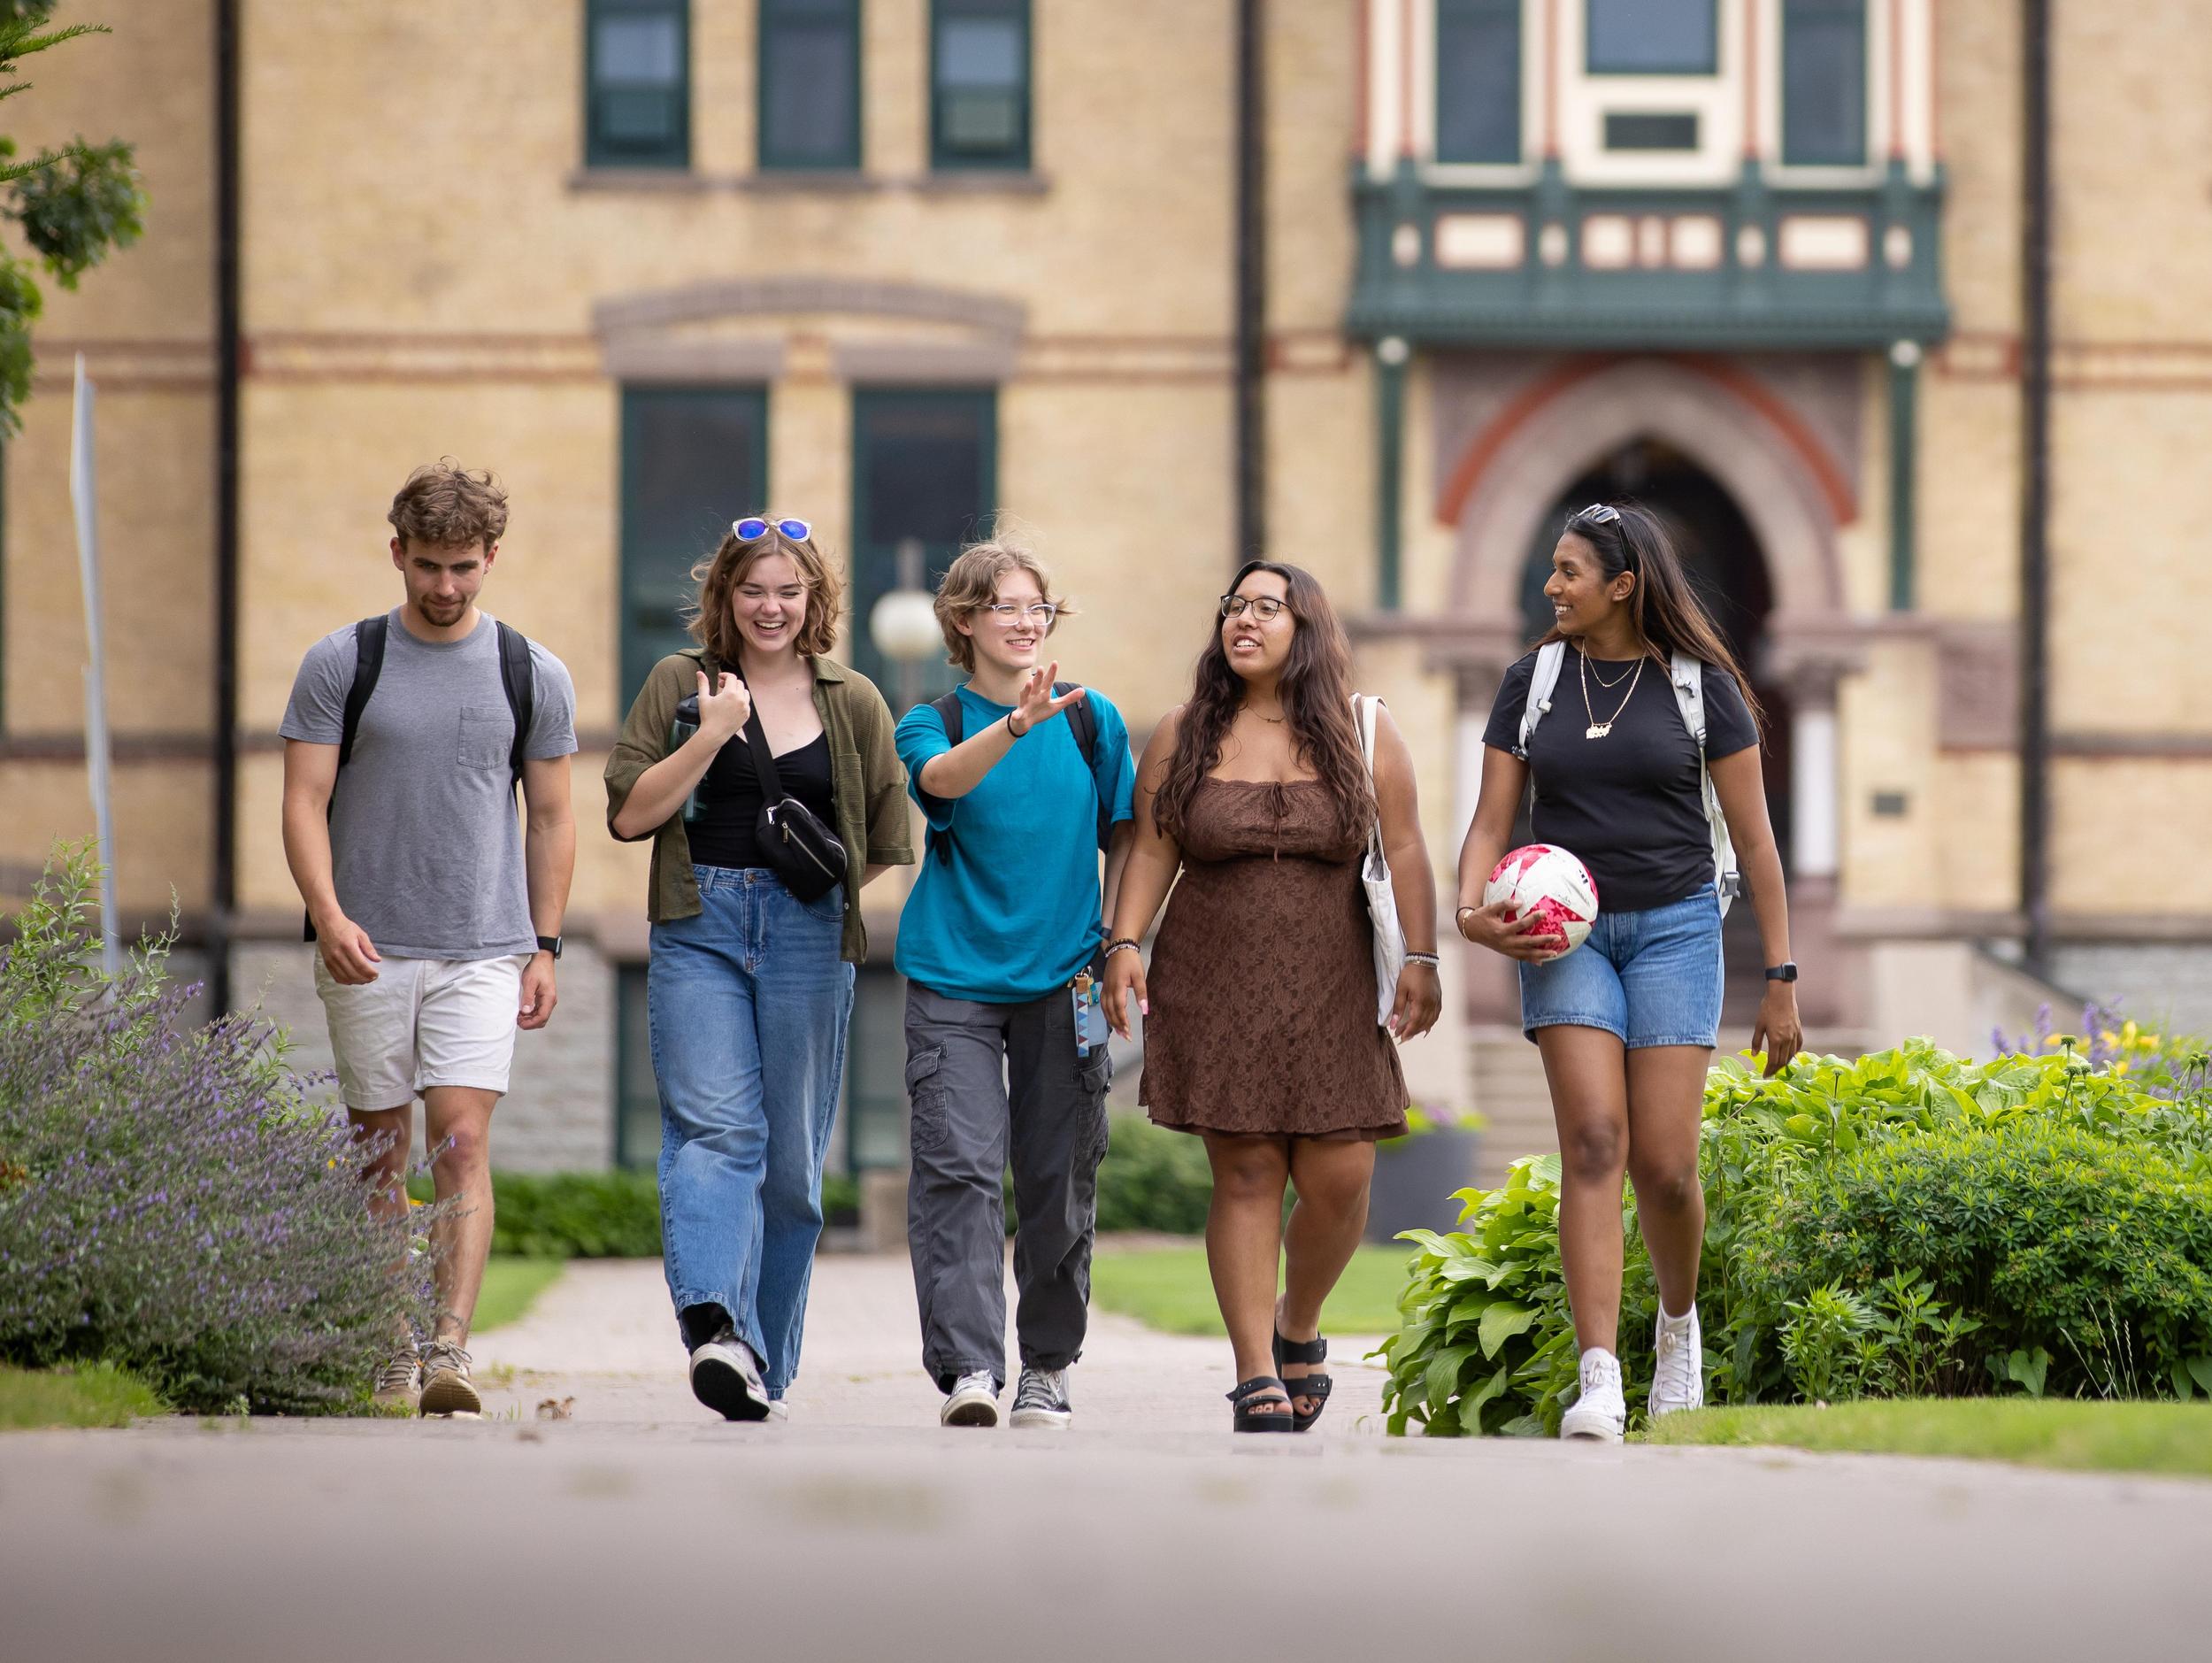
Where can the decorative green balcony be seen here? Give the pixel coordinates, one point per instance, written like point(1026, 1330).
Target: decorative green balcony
point(1744, 265)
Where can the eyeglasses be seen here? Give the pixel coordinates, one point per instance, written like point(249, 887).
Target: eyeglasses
point(1266, 608)
point(752, 528)
point(1035, 612)
point(1595, 514)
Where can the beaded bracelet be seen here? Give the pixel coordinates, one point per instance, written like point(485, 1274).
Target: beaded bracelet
point(1113, 947)
point(1430, 959)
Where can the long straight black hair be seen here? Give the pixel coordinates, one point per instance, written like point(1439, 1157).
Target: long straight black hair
point(1667, 615)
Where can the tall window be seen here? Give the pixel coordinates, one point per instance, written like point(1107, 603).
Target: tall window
point(1652, 37)
point(978, 92)
point(637, 1104)
point(694, 459)
point(637, 100)
point(925, 468)
point(809, 83)
point(874, 1121)
point(1478, 81)
point(1823, 83)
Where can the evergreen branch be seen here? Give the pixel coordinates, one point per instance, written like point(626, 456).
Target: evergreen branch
point(11, 171)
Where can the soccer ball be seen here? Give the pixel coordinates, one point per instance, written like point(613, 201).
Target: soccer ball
point(1551, 883)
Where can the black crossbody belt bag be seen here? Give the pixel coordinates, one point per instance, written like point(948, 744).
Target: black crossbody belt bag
point(806, 854)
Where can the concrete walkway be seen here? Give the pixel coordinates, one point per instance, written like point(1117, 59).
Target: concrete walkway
point(638, 1528)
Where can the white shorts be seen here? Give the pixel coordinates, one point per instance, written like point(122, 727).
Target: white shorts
point(423, 1023)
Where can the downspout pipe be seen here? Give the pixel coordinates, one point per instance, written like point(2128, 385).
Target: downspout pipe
point(2035, 493)
point(223, 887)
point(1250, 460)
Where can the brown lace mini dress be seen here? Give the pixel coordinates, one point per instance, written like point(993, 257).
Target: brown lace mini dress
point(1263, 979)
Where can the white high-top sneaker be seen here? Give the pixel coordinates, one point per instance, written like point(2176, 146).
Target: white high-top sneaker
point(1599, 1412)
point(1678, 1382)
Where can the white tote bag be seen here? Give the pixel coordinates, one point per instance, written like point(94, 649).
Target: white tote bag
point(1374, 876)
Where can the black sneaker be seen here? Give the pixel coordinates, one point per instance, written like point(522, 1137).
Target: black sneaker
point(726, 1377)
point(1041, 1398)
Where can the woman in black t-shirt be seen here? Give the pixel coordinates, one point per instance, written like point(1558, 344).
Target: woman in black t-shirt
point(1627, 1021)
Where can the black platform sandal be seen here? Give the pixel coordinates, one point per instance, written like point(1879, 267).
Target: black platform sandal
point(1246, 1418)
point(1314, 1386)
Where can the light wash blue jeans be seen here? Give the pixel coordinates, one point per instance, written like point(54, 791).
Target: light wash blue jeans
point(750, 1004)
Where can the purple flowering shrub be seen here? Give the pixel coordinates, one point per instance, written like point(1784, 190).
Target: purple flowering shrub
point(170, 1200)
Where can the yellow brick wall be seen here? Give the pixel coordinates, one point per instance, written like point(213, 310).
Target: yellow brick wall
point(146, 321)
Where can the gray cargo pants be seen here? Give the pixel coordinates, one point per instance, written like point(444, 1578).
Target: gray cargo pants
point(990, 1085)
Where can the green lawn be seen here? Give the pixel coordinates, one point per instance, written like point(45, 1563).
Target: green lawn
point(1167, 1288)
point(2125, 1438)
point(511, 1285)
point(94, 1395)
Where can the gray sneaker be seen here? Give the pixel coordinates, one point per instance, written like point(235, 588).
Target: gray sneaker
point(446, 1387)
point(1041, 1399)
point(973, 1402)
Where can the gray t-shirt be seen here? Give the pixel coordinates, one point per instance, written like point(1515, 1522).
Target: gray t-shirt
point(425, 845)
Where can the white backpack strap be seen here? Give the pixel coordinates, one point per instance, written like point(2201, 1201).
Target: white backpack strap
point(1689, 698)
point(1364, 713)
point(1542, 680)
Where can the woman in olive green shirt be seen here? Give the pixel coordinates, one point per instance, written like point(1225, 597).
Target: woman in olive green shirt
point(749, 988)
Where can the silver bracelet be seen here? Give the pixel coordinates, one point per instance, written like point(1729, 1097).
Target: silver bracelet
point(1430, 959)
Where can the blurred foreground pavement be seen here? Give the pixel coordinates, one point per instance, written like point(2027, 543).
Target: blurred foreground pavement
point(640, 1527)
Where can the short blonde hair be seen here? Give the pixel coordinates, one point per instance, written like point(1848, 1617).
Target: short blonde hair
point(720, 572)
point(971, 583)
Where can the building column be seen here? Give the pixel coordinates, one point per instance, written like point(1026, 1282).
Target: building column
point(1904, 408)
point(1391, 357)
point(1816, 777)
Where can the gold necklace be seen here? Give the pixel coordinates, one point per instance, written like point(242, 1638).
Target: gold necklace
point(1599, 675)
point(1599, 729)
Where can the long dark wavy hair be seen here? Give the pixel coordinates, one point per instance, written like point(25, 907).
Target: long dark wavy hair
point(1664, 607)
point(1316, 690)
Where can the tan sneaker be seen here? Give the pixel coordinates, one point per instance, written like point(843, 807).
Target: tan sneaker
point(395, 1380)
point(446, 1389)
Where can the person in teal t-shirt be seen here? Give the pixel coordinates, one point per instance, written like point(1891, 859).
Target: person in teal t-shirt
point(1005, 1046)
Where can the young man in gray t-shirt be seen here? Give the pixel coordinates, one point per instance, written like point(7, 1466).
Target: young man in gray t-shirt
point(438, 923)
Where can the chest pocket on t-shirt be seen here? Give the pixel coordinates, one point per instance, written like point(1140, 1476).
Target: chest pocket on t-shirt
point(485, 730)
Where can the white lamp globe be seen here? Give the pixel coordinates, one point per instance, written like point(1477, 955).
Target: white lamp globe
point(903, 626)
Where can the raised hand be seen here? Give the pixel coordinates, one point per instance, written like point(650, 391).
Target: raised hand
point(1037, 704)
point(723, 711)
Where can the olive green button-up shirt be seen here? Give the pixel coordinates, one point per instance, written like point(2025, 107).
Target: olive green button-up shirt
point(868, 784)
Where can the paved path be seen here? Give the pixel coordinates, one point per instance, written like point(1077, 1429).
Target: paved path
point(639, 1528)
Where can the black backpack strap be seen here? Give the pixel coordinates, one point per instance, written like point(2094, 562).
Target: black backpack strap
point(1083, 722)
point(368, 664)
point(950, 713)
point(520, 685)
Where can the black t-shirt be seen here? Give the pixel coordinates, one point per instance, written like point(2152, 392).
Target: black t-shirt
point(726, 833)
point(1628, 806)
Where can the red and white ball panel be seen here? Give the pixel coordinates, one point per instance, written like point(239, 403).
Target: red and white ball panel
point(1550, 882)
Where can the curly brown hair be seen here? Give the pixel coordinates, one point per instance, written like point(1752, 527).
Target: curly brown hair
point(718, 576)
point(445, 505)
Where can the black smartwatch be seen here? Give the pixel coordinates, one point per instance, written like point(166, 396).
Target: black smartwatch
point(1782, 973)
point(552, 944)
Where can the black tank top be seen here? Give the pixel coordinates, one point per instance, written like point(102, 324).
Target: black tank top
point(725, 834)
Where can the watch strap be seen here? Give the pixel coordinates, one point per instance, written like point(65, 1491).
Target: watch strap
point(550, 944)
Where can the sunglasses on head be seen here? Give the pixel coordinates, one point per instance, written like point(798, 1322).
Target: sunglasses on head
point(752, 528)
point(1595, 514)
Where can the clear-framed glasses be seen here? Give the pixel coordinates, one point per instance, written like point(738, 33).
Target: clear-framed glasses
point(752, 528)
point(1036, 612)
point(1595, 514)
point(1266, 608)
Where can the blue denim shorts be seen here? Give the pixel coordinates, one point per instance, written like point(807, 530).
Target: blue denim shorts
point(1647, 978)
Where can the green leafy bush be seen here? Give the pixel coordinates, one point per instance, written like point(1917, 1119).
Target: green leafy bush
point(613, 1214)
point(1152, 1179)
point(1915, 1131)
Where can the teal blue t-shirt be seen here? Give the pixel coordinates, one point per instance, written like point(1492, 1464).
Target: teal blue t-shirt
point(1013, 914)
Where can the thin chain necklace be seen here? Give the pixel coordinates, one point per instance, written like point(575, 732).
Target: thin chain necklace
point(1599, 729)
point(1599, 675)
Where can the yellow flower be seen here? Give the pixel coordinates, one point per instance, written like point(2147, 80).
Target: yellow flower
point(2121, 1066)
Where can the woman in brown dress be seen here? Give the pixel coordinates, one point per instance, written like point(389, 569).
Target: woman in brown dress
point(1263, 1039)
